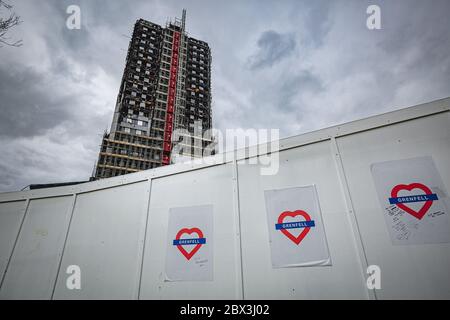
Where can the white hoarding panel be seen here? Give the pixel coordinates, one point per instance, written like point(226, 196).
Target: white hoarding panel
point(211, 187)
point(297, 236)
point(34, 264)
point(380, 199)
point(103, 241)
point(414, 271)
point(309, 165)
point(413, 200)
point(190, 243)
point(11, 215)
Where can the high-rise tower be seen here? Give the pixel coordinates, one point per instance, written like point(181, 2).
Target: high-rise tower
point(163, 109)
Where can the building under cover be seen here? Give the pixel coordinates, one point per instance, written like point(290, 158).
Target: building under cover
point(163, 109)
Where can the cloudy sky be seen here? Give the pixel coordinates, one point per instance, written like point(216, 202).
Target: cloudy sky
point(293, 65)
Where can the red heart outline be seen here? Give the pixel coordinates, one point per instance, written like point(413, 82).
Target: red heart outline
point(294, 214)
point(426, 206)
point(190, 254)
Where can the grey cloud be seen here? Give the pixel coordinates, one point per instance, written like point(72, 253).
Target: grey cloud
point(314, 18)
point(329, 68)
point(289, 91)
point(27, 107)
point(272, 48)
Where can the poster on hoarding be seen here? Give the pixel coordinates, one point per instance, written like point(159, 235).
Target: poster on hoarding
point(414, 201)
point(190, 244)
point(296, 232)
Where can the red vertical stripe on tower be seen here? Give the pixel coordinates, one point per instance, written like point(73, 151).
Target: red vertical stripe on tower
point(168, 130)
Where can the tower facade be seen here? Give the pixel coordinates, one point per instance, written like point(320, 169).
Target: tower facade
point(163, 110)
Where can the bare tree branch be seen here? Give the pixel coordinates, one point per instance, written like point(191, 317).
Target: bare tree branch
point(7, 23)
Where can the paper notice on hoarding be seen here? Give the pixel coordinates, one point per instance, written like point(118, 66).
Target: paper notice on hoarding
point(414, 201)
point(296, 231)
point(190, 244)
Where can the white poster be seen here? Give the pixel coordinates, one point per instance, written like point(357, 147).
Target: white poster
point(297, 236)
point(190, 244)
point(414, 201)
